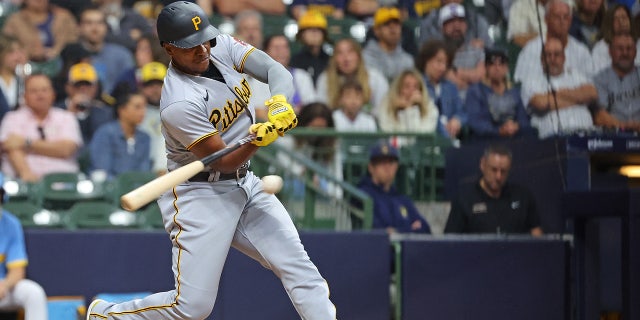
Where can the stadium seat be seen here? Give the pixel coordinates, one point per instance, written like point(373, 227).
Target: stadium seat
point(60, 190)
point(128, 181)
point(66, 307)
point(31, 215)
point(99, 215)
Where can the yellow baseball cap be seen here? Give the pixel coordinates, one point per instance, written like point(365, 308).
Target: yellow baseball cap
point(385, 14)
point(153, 71)
point(83, 72)
point(312, 19)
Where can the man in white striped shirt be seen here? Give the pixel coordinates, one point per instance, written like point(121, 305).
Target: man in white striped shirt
point(568, 111)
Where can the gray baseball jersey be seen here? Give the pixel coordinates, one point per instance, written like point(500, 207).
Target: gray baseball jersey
point(204, 219)
point(619, 96)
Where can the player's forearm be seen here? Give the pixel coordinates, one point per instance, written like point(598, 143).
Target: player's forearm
point(14, 275)
point(262, 67)
point(234, 160)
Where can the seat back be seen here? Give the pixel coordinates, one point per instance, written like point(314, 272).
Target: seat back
point(98, 215)
point(128, 181)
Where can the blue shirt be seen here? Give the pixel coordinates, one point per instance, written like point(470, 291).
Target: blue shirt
point(488, 111)
point(392, 209)
point(12, 248)
point(111, 152)
point(110, 62)
point(448, 102)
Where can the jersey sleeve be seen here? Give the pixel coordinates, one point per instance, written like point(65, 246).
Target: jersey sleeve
point(238, 50)
point(187, 123)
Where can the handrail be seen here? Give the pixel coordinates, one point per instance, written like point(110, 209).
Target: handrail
point(310, 189)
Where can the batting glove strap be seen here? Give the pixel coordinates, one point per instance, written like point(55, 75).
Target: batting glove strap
point(281, 114)
point(265, 133)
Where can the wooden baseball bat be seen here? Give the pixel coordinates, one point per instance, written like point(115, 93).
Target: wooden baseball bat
point(150, 191)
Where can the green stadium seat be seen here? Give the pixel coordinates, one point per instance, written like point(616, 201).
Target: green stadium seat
point(128, 181)
point(99, 215)
point(59, 191)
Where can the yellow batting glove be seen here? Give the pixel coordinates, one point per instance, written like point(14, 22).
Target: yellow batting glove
point(265, 133)
point(281, 114)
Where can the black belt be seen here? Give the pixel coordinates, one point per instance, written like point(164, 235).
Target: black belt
point(204, 176)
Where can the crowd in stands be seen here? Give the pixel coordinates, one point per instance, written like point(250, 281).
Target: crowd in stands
point(83, 78)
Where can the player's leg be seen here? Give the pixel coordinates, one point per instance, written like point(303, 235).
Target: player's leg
point(28, 295)
point(267, 234)
point(205, 218)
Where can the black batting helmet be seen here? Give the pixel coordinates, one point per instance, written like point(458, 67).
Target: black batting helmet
point(185, 25)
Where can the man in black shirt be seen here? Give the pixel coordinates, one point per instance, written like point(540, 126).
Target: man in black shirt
point(492, 205)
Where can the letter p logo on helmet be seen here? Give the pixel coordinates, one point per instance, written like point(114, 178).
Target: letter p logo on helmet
point(196, 22)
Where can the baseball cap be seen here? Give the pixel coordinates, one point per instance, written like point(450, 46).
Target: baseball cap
point(383, 150)
point(312, 19)
point(83, 72)
point(384, 15)
point(153, 71)
point(492, 55)
point(450, 11)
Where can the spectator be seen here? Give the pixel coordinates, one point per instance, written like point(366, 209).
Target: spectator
point(152, 79)
point(618, 19)
point(125, 25)
point(392, 211)
point(348, 114)
point(322, 149)
point(234, 8)
point(249, 28)
point(12, 56)
point(477, 28)
point(148, 49)
point(560, 103)
point(494, 106)
point(385, 51)
point(492, 204)
point(333, 8)
point(347, 63)
point(468, 53)
point(109, 59)
point(44, 30)
point(619, 85)
point(16, 291)
point(84, 101)
point(120, 146)
point(587, 20)
point(362, 9)
point(277, 46)
point(37, 138)
point(433, 61)
point(558, 19)
point(524, 24)
point(407, 107)
point(312, 35)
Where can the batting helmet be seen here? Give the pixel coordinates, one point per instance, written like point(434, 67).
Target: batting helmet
point(184, 25)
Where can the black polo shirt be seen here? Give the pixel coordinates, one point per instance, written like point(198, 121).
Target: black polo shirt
point(474, 211)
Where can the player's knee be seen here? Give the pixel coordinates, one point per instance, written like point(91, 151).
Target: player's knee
point(28, 292)
point(199, 307)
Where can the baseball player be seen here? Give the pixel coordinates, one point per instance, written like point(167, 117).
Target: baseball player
point(204, 107)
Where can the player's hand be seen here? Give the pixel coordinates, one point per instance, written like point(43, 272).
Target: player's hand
point(265, 133)
point(281, 114)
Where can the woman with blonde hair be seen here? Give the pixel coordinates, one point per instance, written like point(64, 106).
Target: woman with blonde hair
point(407, 107)
point(347, 64)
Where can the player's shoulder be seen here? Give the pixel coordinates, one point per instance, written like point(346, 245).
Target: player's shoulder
point(7, 219)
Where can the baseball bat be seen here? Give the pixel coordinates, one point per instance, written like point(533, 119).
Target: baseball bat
point(150, 191)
